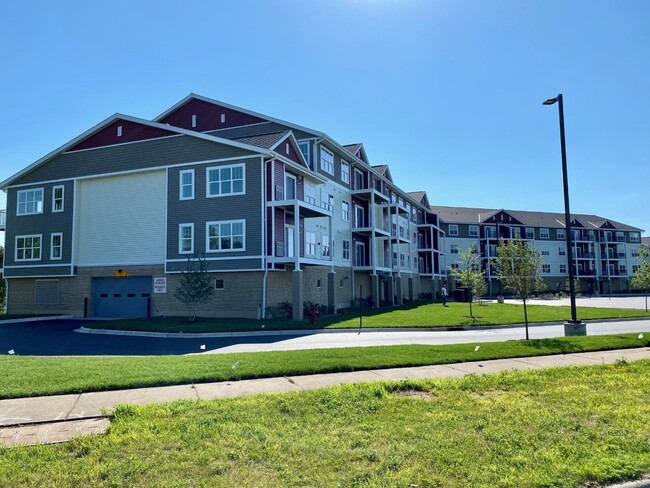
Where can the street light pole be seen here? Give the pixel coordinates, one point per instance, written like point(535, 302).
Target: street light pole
point(574, 326)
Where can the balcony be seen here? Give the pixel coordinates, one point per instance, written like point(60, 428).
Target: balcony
point(308, 206)
point(367, 194)
point(3, 220)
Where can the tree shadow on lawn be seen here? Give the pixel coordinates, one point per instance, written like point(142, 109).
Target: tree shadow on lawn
point(558, 345)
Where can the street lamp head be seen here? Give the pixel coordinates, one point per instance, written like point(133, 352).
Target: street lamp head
point(550, 101)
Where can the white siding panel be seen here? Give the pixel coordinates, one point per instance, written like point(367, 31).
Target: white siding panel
point(121, 219)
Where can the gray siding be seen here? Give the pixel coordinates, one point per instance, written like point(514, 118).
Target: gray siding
point(133, 156)
point(45, 224)
point(201, 210)
point(222, 265)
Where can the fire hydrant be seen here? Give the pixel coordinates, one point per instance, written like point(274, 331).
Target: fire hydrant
point(314, 313)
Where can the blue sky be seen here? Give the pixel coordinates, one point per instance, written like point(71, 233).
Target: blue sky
point(448, 93)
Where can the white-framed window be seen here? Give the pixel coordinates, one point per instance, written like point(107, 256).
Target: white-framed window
point(491, 232)
point(592, 235)
point(359, 216)
point(193, 120)
point(56, 246)
point(345, 172)
point(546, 268)
point(325, 241)
point(543, 233)
point(492, 251)
point(561, 251)
point(327, 201)
point(473, 230)
point(310, 194)
point(620, 236)
point(304, 149)
point(545, 251)
point(346, 249)
point(515, 232)
point(225, 181)
point(454, 266)
point(453, 249)
point(622, 269)
point(359, 180)
point(402, 260)
point(608, 236)
point(453, 229)
point(310, 243)
point(326, 160)
point(57, 198)
point(560, 234)
point(635, 237)
point(635, 253)
point(30, 201)
point(345, 211)
point(562, 268)
point(226, 235)
point(186, 184)
point(635, 268)
point(415, 263)
point(185, 238)
point(530, 233)
point(28, 248)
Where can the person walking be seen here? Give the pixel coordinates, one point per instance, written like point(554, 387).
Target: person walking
point(444, 295)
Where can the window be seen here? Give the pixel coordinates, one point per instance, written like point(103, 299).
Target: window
point(327, 201)
point(346, 249)
point(310, 243)
point(546, 268)
point(561, 251)
point(345, 172)
point(402, 260)
point(492, 251)
point(228, 235)
point(57, 198)
point(119, 131)
point(491, 232)
point(635, 253)
point(473, 230)
point(289, 187)
point(622, 269)
point(543, 233)
point(218, 284)
point(608, 236)
point(28, 248)
point(635, 237)
point(345, 211)
point(559, 233)
point(326, 245)
point(620, 236)
point(30, 201)
point(563, 268)
point(453, 229)
point(186, 239)
point(592, 235)
point(326, 160)
point(223, 118)
point(515, 233)
point(359, 216)
point(186, 183)
point(304, 149)
point(635, 268)
point(454, 266)
point(530, 233)
point(453, 249)
point(225, 180)
point(359, 180)
point(193, 120)
point(545, 251)
point(310, 194)
point(56, 246)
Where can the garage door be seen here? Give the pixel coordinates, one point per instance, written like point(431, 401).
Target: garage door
point(125, 297)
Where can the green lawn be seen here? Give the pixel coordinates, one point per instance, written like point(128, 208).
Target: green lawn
point(562, 427)
point(33, 376)
point(429, 315)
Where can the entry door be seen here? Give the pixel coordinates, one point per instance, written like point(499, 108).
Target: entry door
point(360, 253)
point(289, 187)
point(289, 234)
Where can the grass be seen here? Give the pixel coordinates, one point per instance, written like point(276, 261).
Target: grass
point(429, 315)
point(562, 427)
point(34, 376)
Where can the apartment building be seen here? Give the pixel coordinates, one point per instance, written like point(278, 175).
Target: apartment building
point(604, 251)
point(106, 224)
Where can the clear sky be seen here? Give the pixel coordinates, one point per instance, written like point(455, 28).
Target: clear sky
point(448, 93)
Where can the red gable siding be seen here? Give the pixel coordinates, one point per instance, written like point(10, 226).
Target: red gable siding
point(503, 218)
point(131, 132)
point(292, 155)
point(208, 116)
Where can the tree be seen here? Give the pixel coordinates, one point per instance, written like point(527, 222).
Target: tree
point(641, 278)
point(519, 265)
point(195, 287)
point(469, 273)
point(3, 285)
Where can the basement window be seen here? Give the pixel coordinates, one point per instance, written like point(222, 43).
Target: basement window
point(218, 285)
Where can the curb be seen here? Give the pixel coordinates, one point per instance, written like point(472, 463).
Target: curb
point(36, 319)
point(295, 332)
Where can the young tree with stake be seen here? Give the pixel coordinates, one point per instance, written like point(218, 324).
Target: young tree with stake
point(519, 265)
point(469, 273)
point(641, 278)
point(195, 287)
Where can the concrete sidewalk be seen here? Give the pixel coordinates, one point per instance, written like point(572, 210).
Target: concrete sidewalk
point(38, 420)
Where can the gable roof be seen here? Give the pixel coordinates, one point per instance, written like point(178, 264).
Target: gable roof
point(383, 170)
point(464, 215)
point(115, 117)
point(357, 150)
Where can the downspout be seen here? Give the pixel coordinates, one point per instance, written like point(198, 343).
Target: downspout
point(264, 235)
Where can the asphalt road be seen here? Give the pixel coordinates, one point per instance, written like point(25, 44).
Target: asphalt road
point(57, 338)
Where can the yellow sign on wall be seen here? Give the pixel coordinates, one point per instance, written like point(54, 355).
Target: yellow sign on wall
point(119, 273)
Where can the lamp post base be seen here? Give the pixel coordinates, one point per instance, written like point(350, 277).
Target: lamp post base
point(576, 328)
